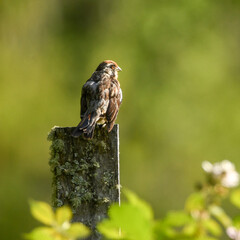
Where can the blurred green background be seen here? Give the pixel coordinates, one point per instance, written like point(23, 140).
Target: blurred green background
point(180, 81)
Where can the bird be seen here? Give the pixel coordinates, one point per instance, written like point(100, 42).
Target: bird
point(101, 98)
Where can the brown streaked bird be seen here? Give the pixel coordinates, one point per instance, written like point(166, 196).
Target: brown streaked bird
point(100, 100)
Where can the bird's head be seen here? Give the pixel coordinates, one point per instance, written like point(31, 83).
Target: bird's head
point(109, 67)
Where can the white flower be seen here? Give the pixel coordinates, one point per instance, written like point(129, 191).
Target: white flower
point(233, 233)
point(223, 172)
point(207, 166)
point(230, 180)
point(217, 169)
point(227, 166)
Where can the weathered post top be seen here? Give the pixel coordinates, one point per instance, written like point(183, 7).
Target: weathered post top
point(86, 173)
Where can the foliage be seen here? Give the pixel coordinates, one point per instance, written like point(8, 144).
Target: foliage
point(203, 217)
point(58, 225)
point(132, 220)
point(180, 83)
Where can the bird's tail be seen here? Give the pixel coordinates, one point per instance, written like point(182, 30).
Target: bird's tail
point(86, 126)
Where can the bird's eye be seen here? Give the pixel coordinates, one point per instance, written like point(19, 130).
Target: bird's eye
point(112, 66)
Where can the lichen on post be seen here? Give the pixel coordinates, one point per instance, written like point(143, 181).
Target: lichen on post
point(85, 173)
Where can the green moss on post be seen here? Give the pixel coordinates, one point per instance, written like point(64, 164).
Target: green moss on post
point(85, 173)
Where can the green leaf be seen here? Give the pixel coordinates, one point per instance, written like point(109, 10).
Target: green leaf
point(177, 218)
point(236, 222)
point(176, 225)
point(235, 198)
point(205, 238)
point(41, 233)
point(163, 231)
point(190, 229)
point(212, 227)
point(78, 230)
point(139, 203)
point(132, 220)
point(195, 202)
point(220, 215)
point(42, 212)
point(63, 214)
point(109, 230)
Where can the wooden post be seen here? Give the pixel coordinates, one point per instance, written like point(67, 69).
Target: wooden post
point(85, 173)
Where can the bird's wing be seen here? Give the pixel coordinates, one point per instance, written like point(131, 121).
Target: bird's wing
point(115, 101)
point(83, 101)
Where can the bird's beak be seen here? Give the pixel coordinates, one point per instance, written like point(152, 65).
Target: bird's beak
point(119, 69)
